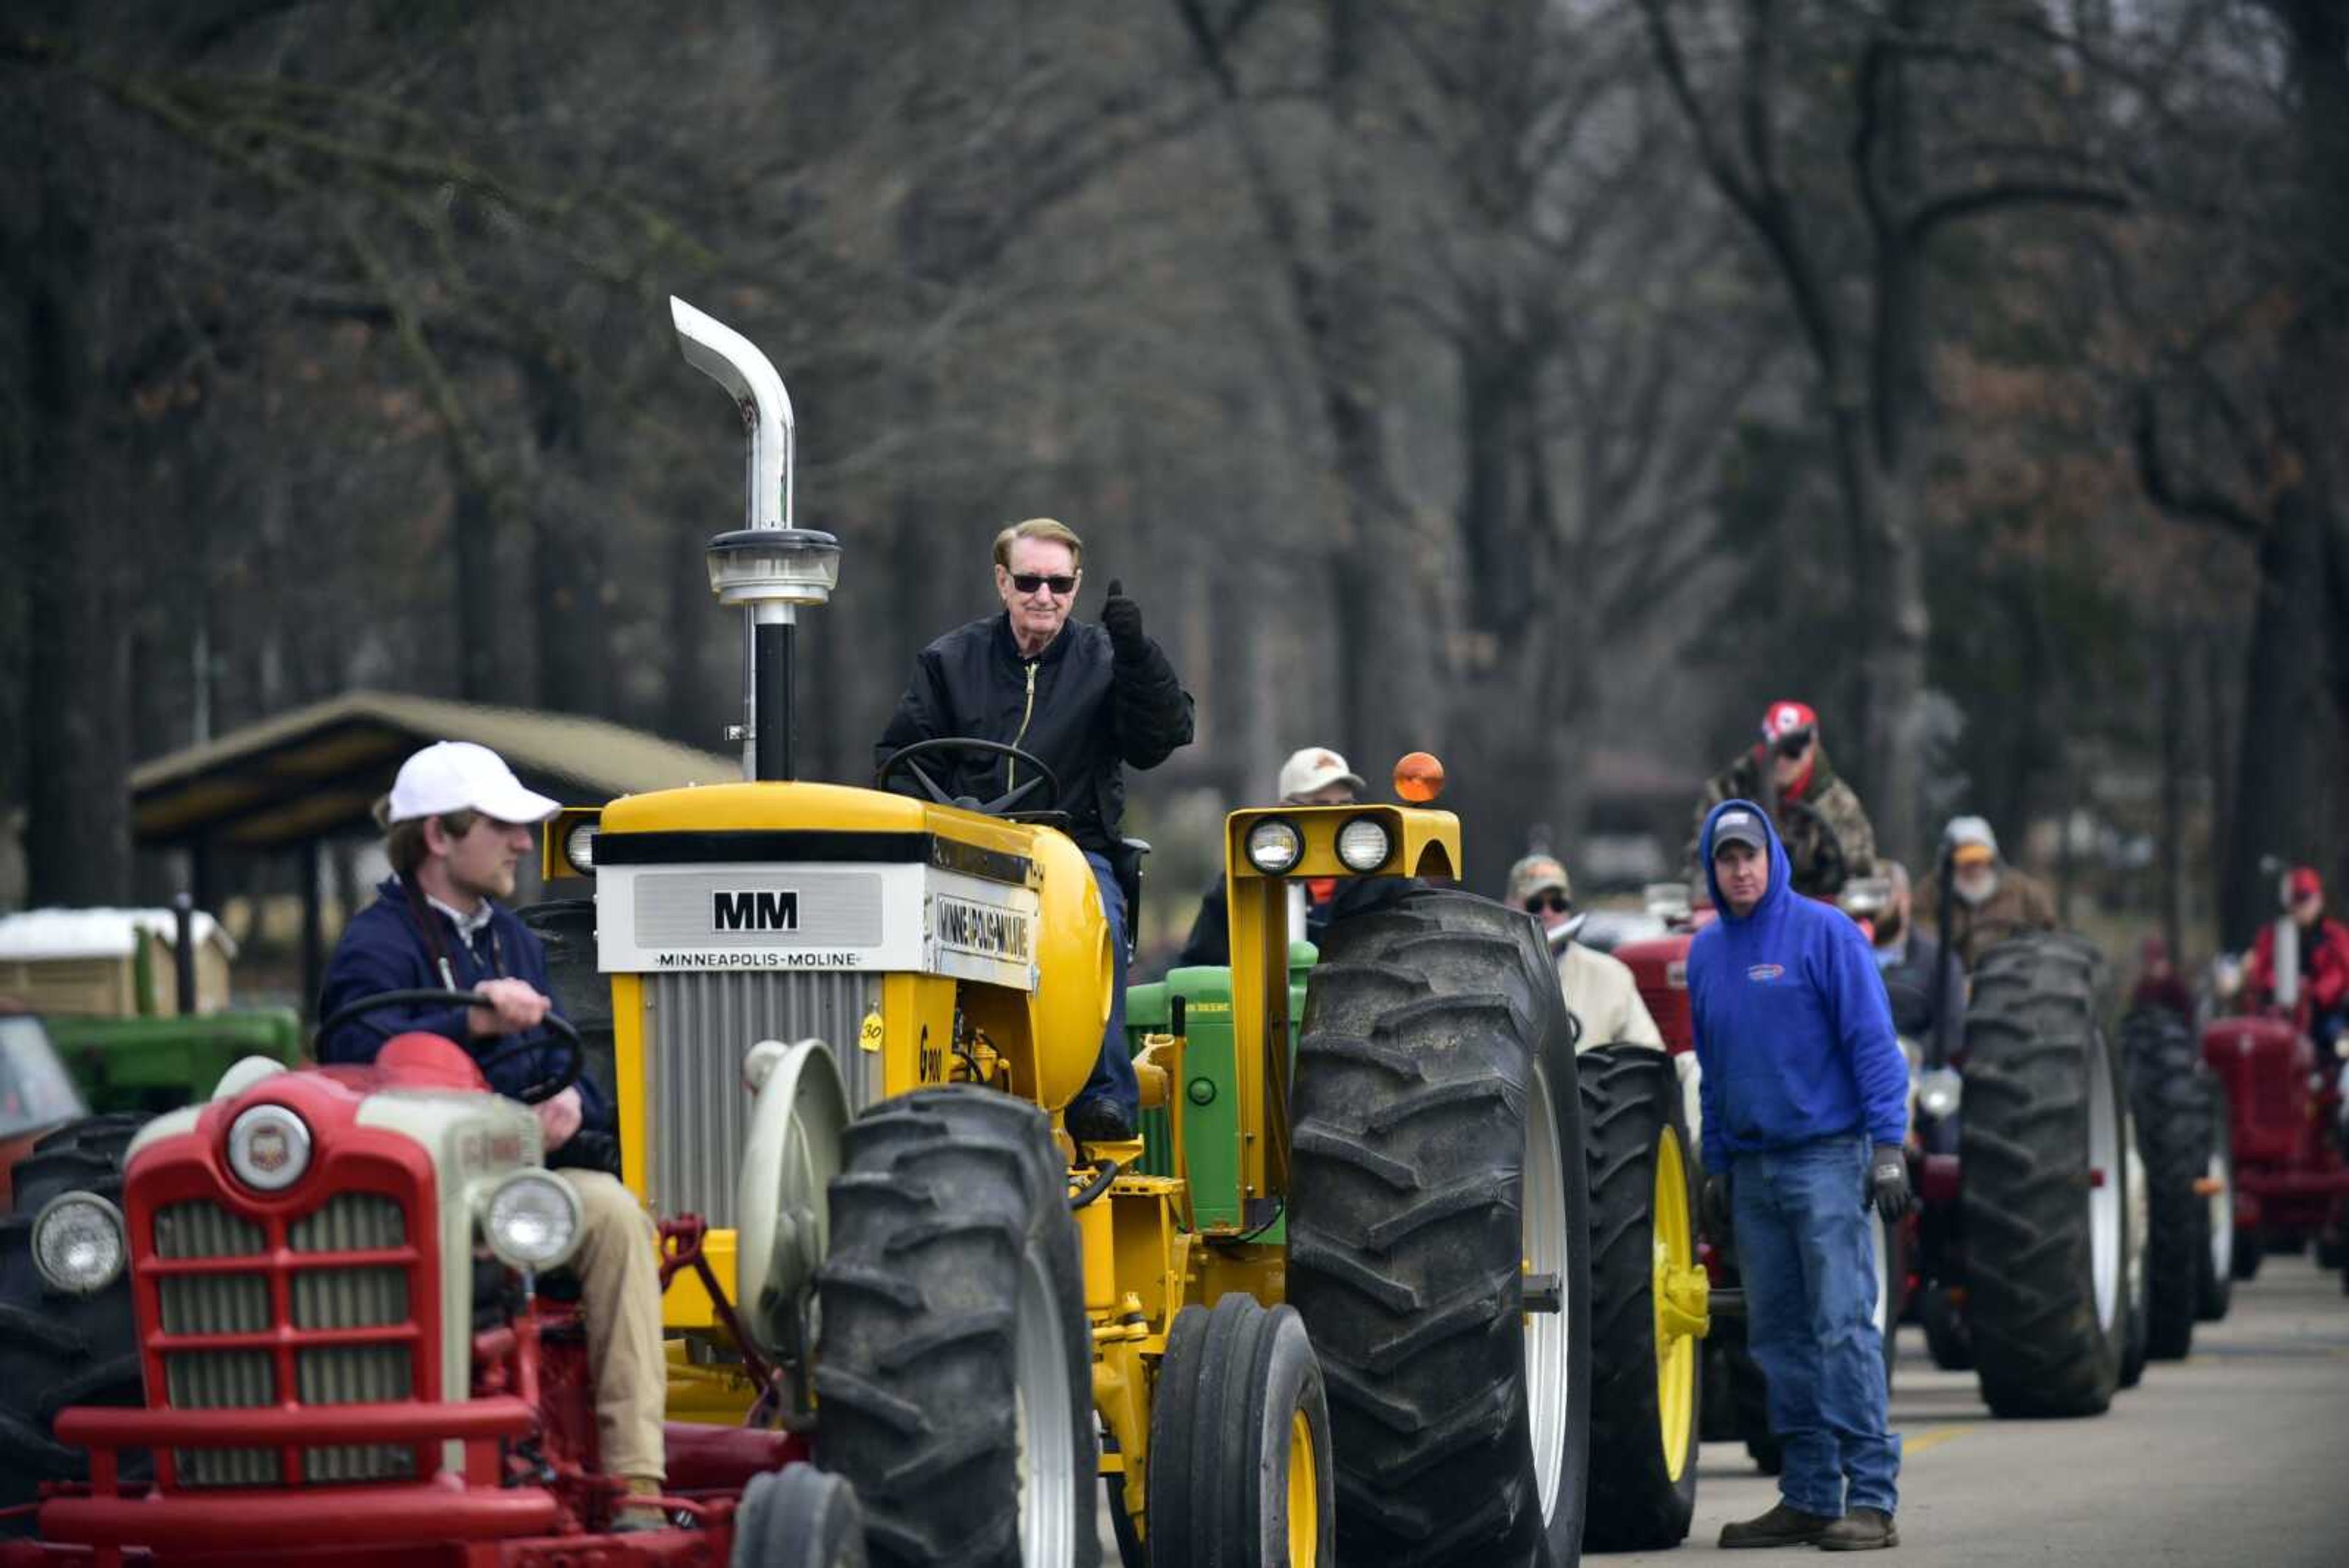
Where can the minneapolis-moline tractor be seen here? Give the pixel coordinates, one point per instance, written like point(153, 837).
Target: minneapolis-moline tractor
point(976, 1317)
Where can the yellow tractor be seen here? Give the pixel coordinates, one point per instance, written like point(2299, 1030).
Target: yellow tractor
point(1334, 1305)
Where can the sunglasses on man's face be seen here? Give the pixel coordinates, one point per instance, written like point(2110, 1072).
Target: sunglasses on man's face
point(1555, 903)
point(1028, 582)
point(1794, 745)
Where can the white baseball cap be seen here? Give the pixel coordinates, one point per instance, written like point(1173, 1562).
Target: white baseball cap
point(458, 775)
point(1314, 768)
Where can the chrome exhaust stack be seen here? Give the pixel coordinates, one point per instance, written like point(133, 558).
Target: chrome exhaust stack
point(769, 565)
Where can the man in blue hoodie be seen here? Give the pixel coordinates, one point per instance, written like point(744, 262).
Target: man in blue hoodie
point(1806, 1097)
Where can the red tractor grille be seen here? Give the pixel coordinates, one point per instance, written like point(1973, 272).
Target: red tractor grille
point(323, 1302)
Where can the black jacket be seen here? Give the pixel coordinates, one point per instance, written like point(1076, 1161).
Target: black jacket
point(384, 949)
point(1210, 942)
point(1091, 716)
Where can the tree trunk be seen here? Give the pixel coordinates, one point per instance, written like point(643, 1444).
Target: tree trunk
point(2268, 806)
point(77, 827)
point(567, 609)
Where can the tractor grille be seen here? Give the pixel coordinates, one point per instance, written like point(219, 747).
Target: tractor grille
point(696, 1027)
point(249, 1368)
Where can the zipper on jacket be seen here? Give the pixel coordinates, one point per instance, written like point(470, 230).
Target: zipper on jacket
point(1011, 764)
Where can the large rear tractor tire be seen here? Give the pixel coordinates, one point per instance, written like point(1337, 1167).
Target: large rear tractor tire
point(1437, 1236)
point(1240, 1468)
point(58, 1350)
point(2170, 1093)
point(1648, 1301)
point(2044, 1189)
point(953, 1363)
point(2214, 1266)
point(2132, 1269)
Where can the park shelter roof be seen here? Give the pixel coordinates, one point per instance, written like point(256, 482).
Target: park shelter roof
point(319, 771)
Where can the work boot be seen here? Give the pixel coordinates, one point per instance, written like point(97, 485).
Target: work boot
point(1099, 1120)
point(1861, 1530)
point(1781, 1526)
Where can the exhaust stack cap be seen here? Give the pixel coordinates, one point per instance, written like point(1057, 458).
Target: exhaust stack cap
point(773, 566)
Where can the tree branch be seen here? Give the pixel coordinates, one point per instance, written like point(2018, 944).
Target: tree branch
point(2200, 505)
point(1948, 206)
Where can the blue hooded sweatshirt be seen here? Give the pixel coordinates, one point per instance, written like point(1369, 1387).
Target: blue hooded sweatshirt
point(1793, 1028)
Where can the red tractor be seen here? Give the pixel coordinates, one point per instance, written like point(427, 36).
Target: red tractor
point(318, 1314)
point(2283, 1124)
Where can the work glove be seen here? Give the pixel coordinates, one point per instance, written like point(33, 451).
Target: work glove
point(1712, 1206)
point(1888, 1183)
point(1122, 619)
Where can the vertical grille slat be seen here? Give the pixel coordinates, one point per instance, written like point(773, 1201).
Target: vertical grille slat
point(698, 1024)
point(320, 1295)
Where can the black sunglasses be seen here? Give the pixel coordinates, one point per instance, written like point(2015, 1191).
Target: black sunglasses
point(1794, 745)
point(1540, 901)
point(1028, 582)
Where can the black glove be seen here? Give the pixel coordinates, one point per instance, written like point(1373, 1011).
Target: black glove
point(1712, 1206)
point(1888, 1183)
point(1122, 619)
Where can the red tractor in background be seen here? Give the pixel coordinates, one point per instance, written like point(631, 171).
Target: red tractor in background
point(2283, 1123)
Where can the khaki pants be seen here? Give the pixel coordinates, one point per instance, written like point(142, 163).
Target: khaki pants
point(618, 1265)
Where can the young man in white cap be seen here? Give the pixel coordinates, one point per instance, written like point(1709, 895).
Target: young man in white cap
point(456, 824)
point(1314, 776)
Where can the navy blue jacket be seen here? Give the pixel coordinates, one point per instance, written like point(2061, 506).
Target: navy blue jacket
point(383, 949)
point(1793, 1030)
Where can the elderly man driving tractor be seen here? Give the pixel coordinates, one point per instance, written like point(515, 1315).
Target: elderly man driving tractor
point(1818, 816)
point(1086, 702)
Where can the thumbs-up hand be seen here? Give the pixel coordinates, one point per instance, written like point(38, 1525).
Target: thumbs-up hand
point(1122, 619)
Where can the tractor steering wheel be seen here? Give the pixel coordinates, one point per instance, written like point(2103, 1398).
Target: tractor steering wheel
point(906, 760)
point(575, 1050)
point(1830, 868)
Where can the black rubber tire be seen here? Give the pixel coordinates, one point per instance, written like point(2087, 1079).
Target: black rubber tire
point(1895, 1300)
point(1720, 1407)
point(948, 1199)
point(1947, 1339)
point(2214, 1277)
point(1429, 1027)
point(798, 1517)
point(1630, 1102)
point(2033, 1048)
point(2250, 1248)
point(1233, 1380)
point(58, 1350)
point(2169, 1093)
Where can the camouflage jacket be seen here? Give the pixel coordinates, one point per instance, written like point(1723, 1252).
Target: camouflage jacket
point(2021, 903)
point(1828, 801)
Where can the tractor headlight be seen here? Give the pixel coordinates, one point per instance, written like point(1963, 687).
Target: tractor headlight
point(268, 1148)
point(1938, 1092)
point(77, 1242)
point(579, 847)
point(1363, 844)
point(1274, 846)
point(531, 1220)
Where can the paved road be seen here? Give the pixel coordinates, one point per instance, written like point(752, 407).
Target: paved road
point(2239, 1455)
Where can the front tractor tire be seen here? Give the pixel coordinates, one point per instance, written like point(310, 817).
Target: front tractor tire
point(798, 1517)
point(953, 1363)
point(58, 1350)
point(2044, 1189)
point(1240, 1473)
point(1437, 1229)
point(1648, 1301)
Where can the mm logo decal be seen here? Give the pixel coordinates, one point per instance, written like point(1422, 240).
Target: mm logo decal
point(1763, 973)
point(983, 929)
point(759, 910)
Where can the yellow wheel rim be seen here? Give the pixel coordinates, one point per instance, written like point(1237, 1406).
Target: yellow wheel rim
point(1304, 1495)
point(1679, 1289)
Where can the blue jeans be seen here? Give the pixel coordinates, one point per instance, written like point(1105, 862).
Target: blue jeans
point(1807, 1256)
point(1113, 1079)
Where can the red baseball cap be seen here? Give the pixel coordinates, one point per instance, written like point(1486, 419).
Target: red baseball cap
point(2306, 883)
point(1785, 718)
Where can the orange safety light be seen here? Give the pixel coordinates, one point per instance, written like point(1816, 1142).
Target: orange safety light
point(1419, 777)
